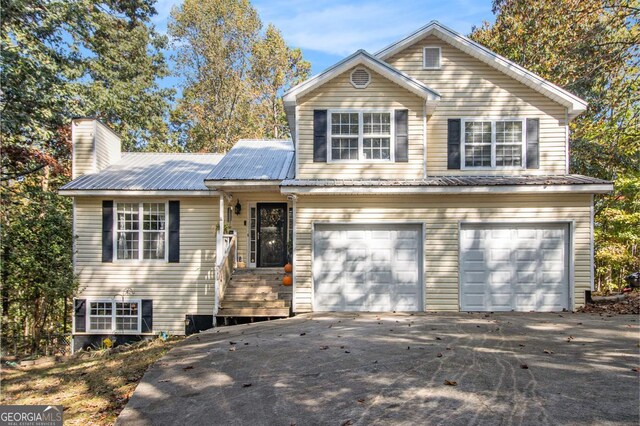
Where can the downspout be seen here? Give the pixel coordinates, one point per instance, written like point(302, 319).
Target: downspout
point(424, 140)
point(219, 255)
point(294, 199)
point(566, 140)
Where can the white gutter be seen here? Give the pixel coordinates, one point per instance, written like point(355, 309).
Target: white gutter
point(134, 193)
point(505, 189)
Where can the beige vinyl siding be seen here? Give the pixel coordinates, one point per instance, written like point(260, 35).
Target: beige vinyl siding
point(470, 88)
point(82, 135)
point(441, 215)
point(242, 223)
point(107, 146)
point(177, 289)
point(340, 94)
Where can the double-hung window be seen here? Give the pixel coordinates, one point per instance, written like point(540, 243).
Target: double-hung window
point(493, 143)
point(114, 316)
point(360, 135)
point(141, 231)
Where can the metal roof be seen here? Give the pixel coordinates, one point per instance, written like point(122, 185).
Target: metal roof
point(256, 160)
point(451, 181)
point(150, 172)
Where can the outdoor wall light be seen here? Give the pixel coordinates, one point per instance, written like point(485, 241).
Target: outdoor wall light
point(237, 208)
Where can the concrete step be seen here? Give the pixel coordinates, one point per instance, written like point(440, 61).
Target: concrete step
point(253, 312)
point(227, 303)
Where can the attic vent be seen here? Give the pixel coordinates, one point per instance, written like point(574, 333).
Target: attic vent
point(360, 78)
point(431, 58)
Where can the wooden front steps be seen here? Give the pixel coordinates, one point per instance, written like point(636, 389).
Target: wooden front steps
point(256, 293)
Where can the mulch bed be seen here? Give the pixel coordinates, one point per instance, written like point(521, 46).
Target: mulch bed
point(629, 305)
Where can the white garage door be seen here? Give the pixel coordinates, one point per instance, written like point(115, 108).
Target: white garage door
point(367, 267)
point(514, 268)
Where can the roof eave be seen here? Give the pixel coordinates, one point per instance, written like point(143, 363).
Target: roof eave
point(137, 193)
point(361, 57)
point(480, 189)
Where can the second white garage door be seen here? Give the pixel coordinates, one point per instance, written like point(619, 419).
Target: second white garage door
point(514, 267)
point(367, 267)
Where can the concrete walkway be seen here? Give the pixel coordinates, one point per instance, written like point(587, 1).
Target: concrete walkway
point(368, 369)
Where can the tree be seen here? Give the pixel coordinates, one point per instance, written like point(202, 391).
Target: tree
point(61, 59)
point(233, 76)
point(213, 42)
point(274, 66)
point(591, 48)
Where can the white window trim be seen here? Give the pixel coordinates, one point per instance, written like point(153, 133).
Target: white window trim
point(361, 136)
point(140, 258)
point(493, 121)
point(424, 57)
point(113, 316)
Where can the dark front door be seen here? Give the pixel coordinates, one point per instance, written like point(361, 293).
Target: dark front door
point(272, 235)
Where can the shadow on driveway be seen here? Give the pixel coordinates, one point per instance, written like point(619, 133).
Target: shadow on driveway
point(365, 369)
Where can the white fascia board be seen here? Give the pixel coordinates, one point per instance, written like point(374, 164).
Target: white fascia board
point(239, 183)
point(135, 193)
point(507, 189)
point(575, 105)
point(361, 58)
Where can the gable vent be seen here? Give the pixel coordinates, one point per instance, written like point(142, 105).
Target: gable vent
point(431, 58)
point(360, 78)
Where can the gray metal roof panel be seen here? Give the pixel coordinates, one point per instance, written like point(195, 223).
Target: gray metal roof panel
point(255, 160)
point(151, 172)
point(452, 181)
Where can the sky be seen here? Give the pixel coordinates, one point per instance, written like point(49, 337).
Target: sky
point(328, 30)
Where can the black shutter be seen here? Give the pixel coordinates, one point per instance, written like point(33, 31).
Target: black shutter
point(107, 231)
point(319, 136)
point(80, 313)
point(533, 143)
point(402, 135)
point(453, 143)
point(147, 316)
point(174, 231)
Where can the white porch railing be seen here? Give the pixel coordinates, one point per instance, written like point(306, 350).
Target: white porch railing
point(224, 268)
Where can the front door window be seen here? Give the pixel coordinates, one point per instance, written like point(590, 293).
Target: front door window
point(272, 235)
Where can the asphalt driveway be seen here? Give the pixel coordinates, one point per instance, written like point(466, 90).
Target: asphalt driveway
point(363, 369)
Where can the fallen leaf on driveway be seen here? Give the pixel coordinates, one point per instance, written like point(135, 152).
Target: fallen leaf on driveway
point(232, 349)
point(324, 348)
point(189, 367)
point(437, 338)
point(637, 370)
point(246, 385)
point(347, 423)
point(361, 400)
point(163, 381)
point(450, 383)
point(569, 339)
point(547, 351)
point(347, 352)
point(303, 334)
point(521, 345)
point(524, 366)
point(439, 355)
point(232, 343)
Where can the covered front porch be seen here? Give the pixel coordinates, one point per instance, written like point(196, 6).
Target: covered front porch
point(254, 242)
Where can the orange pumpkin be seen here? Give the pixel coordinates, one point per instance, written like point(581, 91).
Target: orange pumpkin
point(287, 280)
point(288, 268)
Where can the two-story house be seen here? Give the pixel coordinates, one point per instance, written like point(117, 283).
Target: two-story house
point(431, 176)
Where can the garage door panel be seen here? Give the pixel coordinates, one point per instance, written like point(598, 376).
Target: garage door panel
point(514, 267)
point(376, 268)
